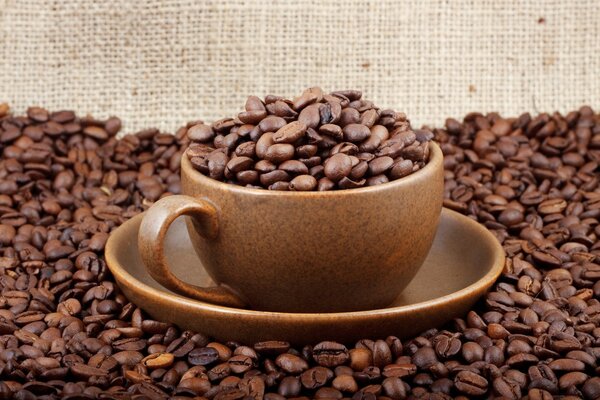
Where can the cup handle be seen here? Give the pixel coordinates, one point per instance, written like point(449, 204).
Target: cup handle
point(151, 237)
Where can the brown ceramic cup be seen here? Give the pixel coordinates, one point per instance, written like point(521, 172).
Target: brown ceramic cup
point(343, 250)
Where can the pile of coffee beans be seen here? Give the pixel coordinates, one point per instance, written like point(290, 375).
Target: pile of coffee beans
point(317, 141)
point(66, 331)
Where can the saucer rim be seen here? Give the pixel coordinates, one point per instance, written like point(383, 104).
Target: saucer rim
point(123, 277)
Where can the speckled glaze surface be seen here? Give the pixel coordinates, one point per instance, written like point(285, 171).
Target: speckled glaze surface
point(331, 251)
point(463, 263)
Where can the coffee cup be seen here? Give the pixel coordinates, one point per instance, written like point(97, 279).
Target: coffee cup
point(342, 250)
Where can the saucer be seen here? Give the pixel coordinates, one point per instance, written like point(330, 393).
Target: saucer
point(463, 263)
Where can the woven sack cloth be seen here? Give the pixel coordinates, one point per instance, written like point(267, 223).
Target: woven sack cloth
point(164, 62)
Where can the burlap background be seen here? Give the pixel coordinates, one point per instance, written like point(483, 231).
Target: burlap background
point(163, 62)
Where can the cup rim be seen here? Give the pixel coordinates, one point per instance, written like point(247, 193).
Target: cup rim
point(434, 162)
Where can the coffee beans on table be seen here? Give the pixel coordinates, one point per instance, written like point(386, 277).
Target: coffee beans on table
point(66, 331)
point(316, 141)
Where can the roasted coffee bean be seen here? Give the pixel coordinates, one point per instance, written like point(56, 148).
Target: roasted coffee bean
point(380, 165)
point(360, 358)
point(472, 352)
point(309, 96)
point(290, 133)
point(566, 365)
point(158, 360)
point(337, 167)
point(377, 180)
point(303, 183)
point(203, 356)
point(591, 389)
point(356, 132)
point(263, 144)
point(400, 370)
point(289, 387)
point(382, 354)
point(332, 130)
point(239, 164)
point(310, 130)
point(424, 357)
point(330, 354)
point(294, 167)
point(240, 364)
point(506, 388)
point(539, 394)
point(470, 383)
point(291, 364)
point(572, 379)
point(394, 388)
point(277, 175)
point(542, 377)
point(272, 348)
point(446, 346)
point(315, 377)
point(200, 133)
point(278, 153)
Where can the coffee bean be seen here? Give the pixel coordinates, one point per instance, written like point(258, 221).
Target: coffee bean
point(446, 347)
point(470, 383)
point(272, 347)
point(158, 360)
point(328, 393)
point(239, 164)
point(85, 371)
point(240, 364)
point(539, 394)
point(572, 379)
point(289, 387)
point(272, 177)
point(337, 167)
point(356, 132)
point(400, 370)
point(95, 132)
point(203, 356)
point(552, 206)
point(382, 354)
point(542, 377)
point(472, 352)
point(380, 165)
point(494, 355)
point(377, 180)
point(309, 96)
point(38, 114)
point(294, 167)
point(394, 388)
point(360, 358)
point(279, 153)
point(315, 377)
point(290, 133)
point(591, 389)
point(566, 365)
point(291, 364)
point(332, 130)
point(330, 354)
point(507, 388)
point(424, 357)
point(582, 356)
point(310, 116)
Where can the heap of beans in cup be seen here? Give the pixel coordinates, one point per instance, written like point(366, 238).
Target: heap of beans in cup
point(317, 141)
point(67, 331)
